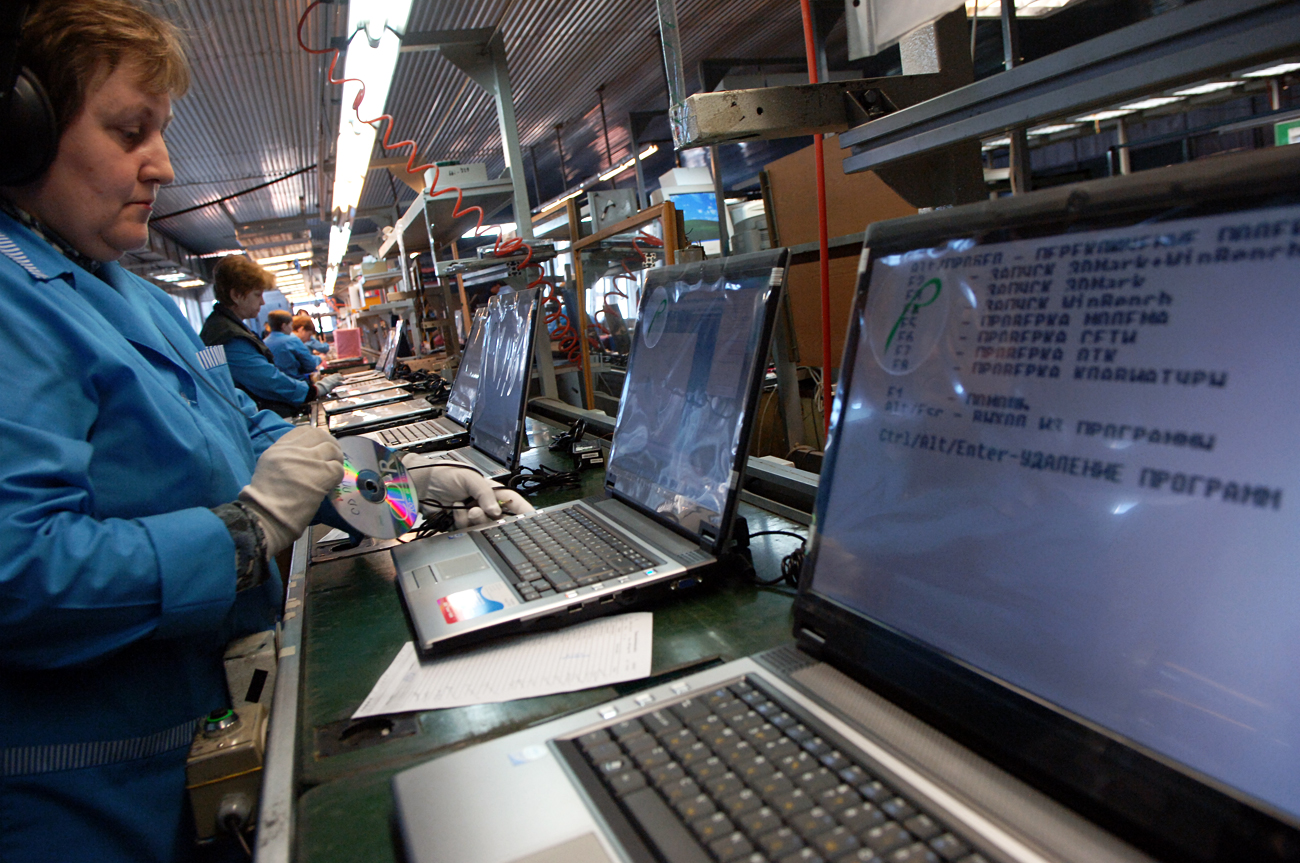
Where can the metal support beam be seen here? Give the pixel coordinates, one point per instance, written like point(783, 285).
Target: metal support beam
point(1196, 41)
point(545, 362)
point(436, 40)
point(671, 40)
point(1121, 135)
point(486, 65)
point(720, 199)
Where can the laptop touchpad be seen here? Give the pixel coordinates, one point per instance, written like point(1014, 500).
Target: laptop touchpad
point(456, 567)
point(584, 849)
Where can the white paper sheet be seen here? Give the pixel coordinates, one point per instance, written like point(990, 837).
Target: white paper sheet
point(597, 653)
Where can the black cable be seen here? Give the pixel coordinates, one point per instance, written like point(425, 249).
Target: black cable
point(224, 198)
point(791, 564)
point(532, 480)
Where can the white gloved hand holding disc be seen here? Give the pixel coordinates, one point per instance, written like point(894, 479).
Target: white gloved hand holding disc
point(470, 497)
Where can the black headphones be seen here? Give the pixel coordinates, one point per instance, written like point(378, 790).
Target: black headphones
point(31, 135)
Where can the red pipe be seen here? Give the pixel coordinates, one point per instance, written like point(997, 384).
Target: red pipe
point(823, 233)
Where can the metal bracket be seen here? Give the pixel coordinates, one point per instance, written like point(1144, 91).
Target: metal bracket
point(1186, 44)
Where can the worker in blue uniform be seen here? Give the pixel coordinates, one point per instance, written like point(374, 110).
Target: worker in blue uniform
point(142, 495)
point(292, 356)
point(238, 284)
point(305, 329)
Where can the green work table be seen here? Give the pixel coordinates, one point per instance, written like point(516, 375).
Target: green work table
point(353, 625)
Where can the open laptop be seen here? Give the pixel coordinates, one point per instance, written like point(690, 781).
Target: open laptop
point(348, 397)
point(499, 429)
point(377, 372)
point(673, 481)
point(1049, 607)
point(386, 367)
point(450, 429)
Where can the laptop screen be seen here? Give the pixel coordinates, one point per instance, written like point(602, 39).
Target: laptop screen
point(1067, 460)
point(691, 383)
point(503, 382)
point(460, 404)
point(389, 360)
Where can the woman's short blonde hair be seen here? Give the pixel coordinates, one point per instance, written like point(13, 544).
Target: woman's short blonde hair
point(236, 275)
point(72, 45)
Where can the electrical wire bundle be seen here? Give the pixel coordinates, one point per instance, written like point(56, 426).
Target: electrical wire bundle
point(530, 480)
point(791, 564)
point(499, 249)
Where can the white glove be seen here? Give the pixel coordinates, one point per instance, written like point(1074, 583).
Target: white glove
point(328, 383)
point(291, 479)
point(443, 486)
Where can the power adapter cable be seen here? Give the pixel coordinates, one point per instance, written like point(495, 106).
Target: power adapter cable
point(530, 480)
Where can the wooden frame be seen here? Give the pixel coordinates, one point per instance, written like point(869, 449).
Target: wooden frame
point(665, 213)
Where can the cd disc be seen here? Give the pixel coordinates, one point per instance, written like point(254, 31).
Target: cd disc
point(376, 496)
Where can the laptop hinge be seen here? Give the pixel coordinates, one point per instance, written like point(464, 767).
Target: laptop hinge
point(708, 537)
point(810, 642)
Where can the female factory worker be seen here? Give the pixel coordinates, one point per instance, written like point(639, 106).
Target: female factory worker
point(291, 356)
point(238, 284)
point(141, 494)
point(305, 329)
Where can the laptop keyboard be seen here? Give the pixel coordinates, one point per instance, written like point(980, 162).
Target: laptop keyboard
point(553, 552)
point(403, 435)
point(733, 775)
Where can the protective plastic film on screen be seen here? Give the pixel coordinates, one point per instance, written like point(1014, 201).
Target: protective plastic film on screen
point(693, 356)
point(1070, 462)
point(460, 404)
point(503, 383)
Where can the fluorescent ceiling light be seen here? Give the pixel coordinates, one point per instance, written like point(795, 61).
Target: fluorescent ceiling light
point(340, 237)
point(1106, 115)
point(1052, 130)
point(190, 283)
point(172, 276)
point(1202, 89)
point(222, 253)
point(1024, 8)
point(331, 276)
point(995, 143)
point(487, 230)
point(284, 259)
point(618, 169)
point(1272, 71)
point(372, 64)
point(1153, 102)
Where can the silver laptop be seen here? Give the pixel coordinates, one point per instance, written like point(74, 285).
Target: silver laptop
point(1049, 607)
point(350, 397)
point(499, 429)
point(450, 429)
point(386, 366)
point(377, 416)
point(672, 484)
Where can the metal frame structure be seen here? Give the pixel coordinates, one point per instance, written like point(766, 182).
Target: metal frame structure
point(1189, 43)
point(665, 212)
point(481, 54)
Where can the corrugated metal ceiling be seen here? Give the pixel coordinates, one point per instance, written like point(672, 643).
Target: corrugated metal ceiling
point(259, 107)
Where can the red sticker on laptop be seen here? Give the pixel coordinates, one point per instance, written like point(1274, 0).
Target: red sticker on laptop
point(475, 602)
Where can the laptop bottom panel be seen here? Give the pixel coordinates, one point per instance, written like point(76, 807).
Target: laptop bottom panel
point(741, 762)
point(493, 580)
point(423, 436)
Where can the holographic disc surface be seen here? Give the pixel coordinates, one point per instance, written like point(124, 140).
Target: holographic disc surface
point(376, 496)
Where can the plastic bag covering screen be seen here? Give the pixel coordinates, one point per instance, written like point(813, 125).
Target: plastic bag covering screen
point(1071, 462)
point(388, 361)
point(503, 383)
point(460, 404)
point(693, 357)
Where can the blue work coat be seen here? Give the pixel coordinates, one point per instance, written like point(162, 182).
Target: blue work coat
point(118, 431)
point(291, 356)
point(261, 377)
